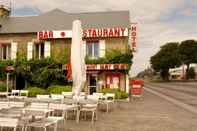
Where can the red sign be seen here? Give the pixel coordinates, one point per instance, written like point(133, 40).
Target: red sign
point(103, 66)
point(107, 32)
point(54, 34)
point(133, 36)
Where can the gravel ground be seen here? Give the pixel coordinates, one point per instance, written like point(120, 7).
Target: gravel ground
point(150, 114)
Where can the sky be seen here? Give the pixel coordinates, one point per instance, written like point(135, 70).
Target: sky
point(159, 21)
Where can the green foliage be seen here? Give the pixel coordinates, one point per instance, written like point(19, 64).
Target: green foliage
point(3, 87)
point(33, 91)
point(188, 53)
point(3, 64)
point(41, 73)
point(57, 89)
point(166, 58)
point(191, 73)
point(118, 94)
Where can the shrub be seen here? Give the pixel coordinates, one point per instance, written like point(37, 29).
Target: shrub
point(3, 87)
point(33, 91)
point(118, 94)
point(57, 89)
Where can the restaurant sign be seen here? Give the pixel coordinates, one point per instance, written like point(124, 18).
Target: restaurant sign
point(106, 66)
point(105, 32)
point(103, 67)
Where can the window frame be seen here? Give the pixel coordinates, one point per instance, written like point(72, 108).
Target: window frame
point(7, 46)
point(94, 46)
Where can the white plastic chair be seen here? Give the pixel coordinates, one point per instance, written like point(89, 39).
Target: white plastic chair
point(100, 95)
point(57, 97)
point(89, 108)
point(46, 122)
point(109, 99)
point(67, 94)
point(42, 96)
point(9, 123)
point(14, 94)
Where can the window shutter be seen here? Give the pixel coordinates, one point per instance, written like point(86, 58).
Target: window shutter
point(102, 48)
point(29, 50)
point(13, 50)
point(47, 49)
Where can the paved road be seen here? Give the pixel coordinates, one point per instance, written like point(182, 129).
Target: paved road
point(184, 92)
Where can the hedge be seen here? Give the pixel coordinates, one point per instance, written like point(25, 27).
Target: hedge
point(118, 94)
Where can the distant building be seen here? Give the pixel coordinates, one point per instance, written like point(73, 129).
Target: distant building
point(179, 72)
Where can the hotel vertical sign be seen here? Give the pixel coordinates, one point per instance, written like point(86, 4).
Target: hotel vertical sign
point(133, 36)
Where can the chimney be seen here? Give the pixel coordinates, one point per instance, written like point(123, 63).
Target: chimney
point(4, 11)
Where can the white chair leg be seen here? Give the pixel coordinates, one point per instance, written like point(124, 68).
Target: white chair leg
point(93, 117)
point(77, 116)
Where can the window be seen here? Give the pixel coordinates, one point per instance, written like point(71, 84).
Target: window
point(5, 50)
point(92, 49)
point(39, 51)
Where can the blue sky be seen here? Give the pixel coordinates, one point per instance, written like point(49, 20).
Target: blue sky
point(159, 21)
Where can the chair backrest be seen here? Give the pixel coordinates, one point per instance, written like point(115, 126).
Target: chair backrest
point(54, 106)
point(93, 98)
point(82, 93)
point(24, 92)
point(42, 96)
point(39, 105)
point(100, 95)
point(110, 96)
point(8, 122)
point(57, 96)
point(4, 104)
point(17, 104)
point(15, 92)
point(67, 94)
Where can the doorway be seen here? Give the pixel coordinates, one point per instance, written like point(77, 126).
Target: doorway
point(92, 83)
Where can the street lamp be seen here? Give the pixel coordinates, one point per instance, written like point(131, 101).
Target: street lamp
point(8, 69)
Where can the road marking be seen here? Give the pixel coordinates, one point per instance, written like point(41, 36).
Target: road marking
point(174, 101)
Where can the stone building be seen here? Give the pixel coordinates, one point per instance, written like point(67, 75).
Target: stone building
point(49, 35)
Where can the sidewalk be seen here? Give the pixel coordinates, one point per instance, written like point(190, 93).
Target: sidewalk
point(150, 114)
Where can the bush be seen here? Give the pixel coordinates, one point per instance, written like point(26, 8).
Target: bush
point(57, 89)
point(118, 94)
point(3, 87)
point(33, 91)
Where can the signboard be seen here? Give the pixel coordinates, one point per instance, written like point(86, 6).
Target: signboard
point(133, 36)
point(54, 34)
point(105, 32)
point(103, 66)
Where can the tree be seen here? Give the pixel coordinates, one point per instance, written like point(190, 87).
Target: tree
point(188, 53)
point(191, 73)
point(167, 57)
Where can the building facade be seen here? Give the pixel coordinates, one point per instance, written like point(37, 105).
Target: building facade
point(50, 34)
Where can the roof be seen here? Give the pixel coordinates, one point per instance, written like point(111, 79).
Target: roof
point(60, 20)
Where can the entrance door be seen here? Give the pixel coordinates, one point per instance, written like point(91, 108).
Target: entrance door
point(92, 83)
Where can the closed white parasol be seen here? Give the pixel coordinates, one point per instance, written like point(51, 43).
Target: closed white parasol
point(77, 59)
